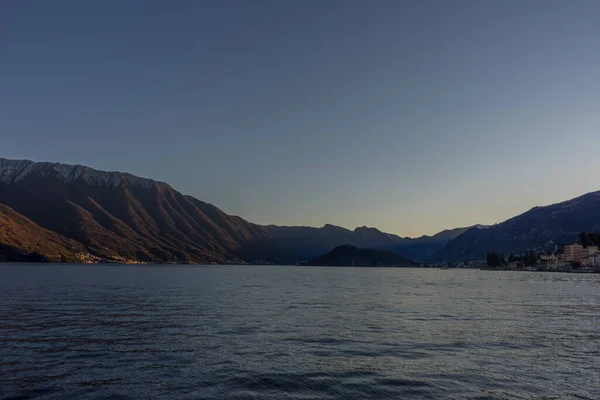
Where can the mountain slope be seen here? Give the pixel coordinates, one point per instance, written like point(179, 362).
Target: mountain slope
point(117, 214)
point(539, 228)
point(349, 255)
point(23, 240)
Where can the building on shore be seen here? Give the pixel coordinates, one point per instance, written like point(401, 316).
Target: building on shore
point(546, 257)
point(574, 252)
point(557, 265)
point(592, 261)
point(516, 265)
point(578, 253)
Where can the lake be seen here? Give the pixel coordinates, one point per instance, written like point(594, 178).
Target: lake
point(250, 332)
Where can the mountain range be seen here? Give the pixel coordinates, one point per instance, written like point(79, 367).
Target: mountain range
point(91, 215)
point(61, 212)
point(304, 243)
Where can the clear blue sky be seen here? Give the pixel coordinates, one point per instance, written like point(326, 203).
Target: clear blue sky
point(410, 116)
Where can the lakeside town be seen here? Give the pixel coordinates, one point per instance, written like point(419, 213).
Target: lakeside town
point(571, 258)
point(577, 257)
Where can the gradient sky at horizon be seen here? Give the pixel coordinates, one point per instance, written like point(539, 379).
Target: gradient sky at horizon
point(410, 116)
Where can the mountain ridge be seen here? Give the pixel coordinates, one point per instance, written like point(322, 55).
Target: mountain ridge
point(118, 214)
point(541, 228)
point(12, 171)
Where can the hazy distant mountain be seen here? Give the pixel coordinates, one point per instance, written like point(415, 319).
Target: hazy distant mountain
point(117, 214)
point(449, 234)
point(303, 243)
point(348, 255)
point(538, 228)
point(424, 247)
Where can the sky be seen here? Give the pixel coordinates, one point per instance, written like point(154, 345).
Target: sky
point(409, 116)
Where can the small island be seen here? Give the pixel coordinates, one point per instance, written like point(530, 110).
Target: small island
point(348, 256)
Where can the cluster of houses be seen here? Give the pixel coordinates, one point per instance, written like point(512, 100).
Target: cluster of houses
point(586, 256)
point(478, 264)
point(575, 256)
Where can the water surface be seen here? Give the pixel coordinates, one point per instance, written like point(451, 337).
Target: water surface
point(234, 332)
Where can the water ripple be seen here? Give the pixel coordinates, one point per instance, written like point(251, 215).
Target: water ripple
point(296, 333)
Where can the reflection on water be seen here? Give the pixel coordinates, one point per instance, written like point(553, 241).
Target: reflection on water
point(296, 333)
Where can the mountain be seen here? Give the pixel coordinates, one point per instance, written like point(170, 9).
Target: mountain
point(424, 247)
point(540, 228)
point(449, 234)
point(348, 255)
point(120, 216)
point(302, 243)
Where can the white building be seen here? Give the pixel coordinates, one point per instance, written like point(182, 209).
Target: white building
point(592, 261)
point(548, 257)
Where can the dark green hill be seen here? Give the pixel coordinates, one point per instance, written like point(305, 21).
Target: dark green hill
point(348, 255)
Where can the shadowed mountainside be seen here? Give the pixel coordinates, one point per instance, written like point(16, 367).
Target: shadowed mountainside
point(115, 214)
point(23, 240)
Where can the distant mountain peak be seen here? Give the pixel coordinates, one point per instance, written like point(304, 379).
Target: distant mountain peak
point(13, 171)
point(480, 226)
point(365, 228)
point(331, 226)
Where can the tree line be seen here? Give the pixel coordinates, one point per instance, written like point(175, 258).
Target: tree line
point(494, 259)
point(587, 239)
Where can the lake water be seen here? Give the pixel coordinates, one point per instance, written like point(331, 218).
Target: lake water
point(232, 332)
